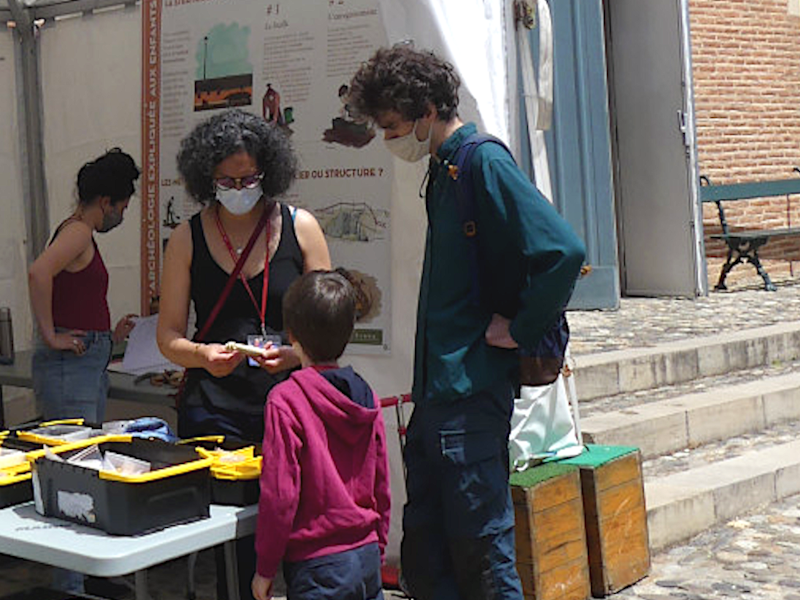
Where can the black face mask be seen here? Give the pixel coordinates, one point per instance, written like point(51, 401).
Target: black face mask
point(110, 220)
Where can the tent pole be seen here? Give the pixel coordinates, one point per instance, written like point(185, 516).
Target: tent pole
point(29, 101)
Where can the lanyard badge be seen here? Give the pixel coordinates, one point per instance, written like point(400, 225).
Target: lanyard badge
point(262, 311)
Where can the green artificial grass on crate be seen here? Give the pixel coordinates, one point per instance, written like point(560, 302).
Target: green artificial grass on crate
point(594, 455)
point(536, 475)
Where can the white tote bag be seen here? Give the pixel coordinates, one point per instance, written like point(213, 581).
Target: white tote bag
point(542, 425)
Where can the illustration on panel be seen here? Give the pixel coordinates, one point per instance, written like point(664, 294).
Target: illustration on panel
point(353, 221)
point(273, 112)
point(345, 128)
point(224, 74)
point(368, 294)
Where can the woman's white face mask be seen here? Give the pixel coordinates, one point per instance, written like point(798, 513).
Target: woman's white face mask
point(408, 147)
point(239, 202)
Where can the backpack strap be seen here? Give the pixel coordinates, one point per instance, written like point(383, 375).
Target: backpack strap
point(542, 364)
point(460, 170)
point(237, 269)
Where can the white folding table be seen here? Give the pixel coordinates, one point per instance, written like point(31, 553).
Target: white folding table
point(26, 534)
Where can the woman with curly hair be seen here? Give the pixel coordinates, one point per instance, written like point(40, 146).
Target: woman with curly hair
point(236, 165)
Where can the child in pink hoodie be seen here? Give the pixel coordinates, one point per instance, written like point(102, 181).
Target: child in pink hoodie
point(324, 506)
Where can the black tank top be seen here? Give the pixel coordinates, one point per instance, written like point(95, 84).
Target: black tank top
point(241, 394)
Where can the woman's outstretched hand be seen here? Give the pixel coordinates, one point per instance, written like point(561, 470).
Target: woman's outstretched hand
point(217, 360)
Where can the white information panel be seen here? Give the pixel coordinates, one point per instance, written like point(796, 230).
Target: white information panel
point(289, 62)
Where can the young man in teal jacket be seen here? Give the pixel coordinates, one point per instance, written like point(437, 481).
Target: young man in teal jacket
point(458, 538)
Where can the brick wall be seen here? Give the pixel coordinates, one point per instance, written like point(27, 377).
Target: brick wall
point(746, 67)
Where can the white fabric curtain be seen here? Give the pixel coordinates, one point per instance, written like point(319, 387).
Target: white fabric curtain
point(91, 90)
point(13, 268)
point(471, 35)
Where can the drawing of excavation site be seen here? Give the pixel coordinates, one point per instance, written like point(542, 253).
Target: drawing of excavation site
point(353, 221)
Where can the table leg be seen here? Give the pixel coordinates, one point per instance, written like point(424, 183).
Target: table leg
point(231, 570)
point(140, 580)
point(2, 411)
point(191, 592)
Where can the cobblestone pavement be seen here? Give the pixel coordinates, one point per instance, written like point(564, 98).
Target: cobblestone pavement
point(644, 322)
point(756, 556)
point(165, 582)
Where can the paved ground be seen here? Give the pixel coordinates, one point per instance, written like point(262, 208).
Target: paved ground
point(755, 556)
point(642, 322)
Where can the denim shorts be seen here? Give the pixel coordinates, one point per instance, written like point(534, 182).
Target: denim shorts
point(68, 385)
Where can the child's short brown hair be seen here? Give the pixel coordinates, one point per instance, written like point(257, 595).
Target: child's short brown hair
point(319, 311)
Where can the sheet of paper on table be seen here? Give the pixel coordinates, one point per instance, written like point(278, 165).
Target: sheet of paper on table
point(141, 353)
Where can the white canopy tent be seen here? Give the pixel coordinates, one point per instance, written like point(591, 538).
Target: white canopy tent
point(70, 77)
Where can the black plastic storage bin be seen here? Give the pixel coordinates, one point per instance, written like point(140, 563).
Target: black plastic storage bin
point(240, 492)
point(232, 487)
point(15, 481)
point(16, 491)
point(15, 443)
point(69, 427)
point(176, 490)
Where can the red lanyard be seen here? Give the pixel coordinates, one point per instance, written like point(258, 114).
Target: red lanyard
point(263, 311)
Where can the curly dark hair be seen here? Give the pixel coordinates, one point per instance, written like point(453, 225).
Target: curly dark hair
point(319, 311)
point(111, 174)
point(404, 80)
point(225, 134)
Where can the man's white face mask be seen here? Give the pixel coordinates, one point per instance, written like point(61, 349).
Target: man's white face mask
point(408, 147)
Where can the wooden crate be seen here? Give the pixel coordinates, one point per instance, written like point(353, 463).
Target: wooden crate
point(615, 516)
point(550, 534)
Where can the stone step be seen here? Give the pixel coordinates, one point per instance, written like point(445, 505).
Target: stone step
point(696, 386)
point(686, 503)
point(635, 369)
point(691, 420)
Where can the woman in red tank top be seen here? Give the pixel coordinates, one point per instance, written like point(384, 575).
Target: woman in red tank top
point(68, 287)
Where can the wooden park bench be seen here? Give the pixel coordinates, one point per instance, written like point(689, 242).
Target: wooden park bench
point(743, 245)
